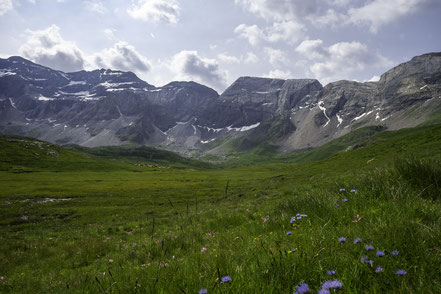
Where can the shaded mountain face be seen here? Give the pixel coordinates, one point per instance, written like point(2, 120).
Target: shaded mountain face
point(107, 107)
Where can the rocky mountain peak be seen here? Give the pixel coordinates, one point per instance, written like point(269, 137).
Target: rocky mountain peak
point(110, 107)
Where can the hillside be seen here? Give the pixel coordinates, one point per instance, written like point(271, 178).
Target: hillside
point(269, 227)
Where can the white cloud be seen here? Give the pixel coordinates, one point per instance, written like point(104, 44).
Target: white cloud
point(339, 61)
point(329, 18)
point(5, 6)
point(251, 58)
point(312, 49)
point(374, 79)
point(276, 57)
point(281, 10)
point(109, 33)
point(48, 48)
point(166, 11)
point(252, 33)
point(335, 13)
point(122, 56)
point(188, 65)
point(288, 31)
point(228, 58)
point(377, 13)
point(95, 6)
point(278, 74)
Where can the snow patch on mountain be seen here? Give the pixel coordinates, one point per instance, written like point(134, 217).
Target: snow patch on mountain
point(244, 128)
point(322, 108)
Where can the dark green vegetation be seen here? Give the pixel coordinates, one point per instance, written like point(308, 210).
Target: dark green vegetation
point(83, 223)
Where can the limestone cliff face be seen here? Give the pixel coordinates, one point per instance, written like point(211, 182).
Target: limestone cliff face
point(106, 107)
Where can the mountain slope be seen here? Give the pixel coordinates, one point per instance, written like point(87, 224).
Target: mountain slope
point(108, 108)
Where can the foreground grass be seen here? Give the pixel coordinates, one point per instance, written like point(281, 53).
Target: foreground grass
point(136, 230)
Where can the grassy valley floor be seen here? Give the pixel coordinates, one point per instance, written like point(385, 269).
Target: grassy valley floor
point(80, 223)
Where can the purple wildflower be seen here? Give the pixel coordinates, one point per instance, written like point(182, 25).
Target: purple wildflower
point(370, 262)
point(226, 279)
point(379, 269)
point(293, 219)
point(395, 252)
point(331, 273)
point(323, 291)
point(288, 233)
point(293, 250)
point(203, 291)
point(353, 191)
point(110, 260)
point(345, 200)
point(337, 205)
point(357, 240)
point(342, 239)
point(332, 285)
point(342, 189)
point(302, 288)
point(363, 259)
point(369, 247)
point(380, 253)
point(400, 272)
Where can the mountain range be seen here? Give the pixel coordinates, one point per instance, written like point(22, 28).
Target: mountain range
point(108, 107)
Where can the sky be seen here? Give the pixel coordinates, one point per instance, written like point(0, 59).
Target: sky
point(214, 42)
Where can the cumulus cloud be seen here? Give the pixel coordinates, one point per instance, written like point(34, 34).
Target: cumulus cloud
point(280, 10)
point(122, 56)
point(166, 11)
point(48, 48)
point(109, 33)
point(336, 13)
point(289, 31)
point(378, 12)
point(251, 58)
point(276, 57)
point(188, 65)
point(278, 74)
point(95, 6)
point(339, 61)
point(5, 6)
point(228, 58)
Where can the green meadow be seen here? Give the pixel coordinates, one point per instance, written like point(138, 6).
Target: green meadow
point(137, 220)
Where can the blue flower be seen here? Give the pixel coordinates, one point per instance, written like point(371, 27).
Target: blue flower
point(289, 233)
point(380, 253)
point(332, 285)
point(400, 272)
point(337, 205)
point(353, 191)
point(323, 291)
point(395, 252)
point(293, 250)
point(357, 240)
point(331, 273)
point(370, 262)
point(203, 291)
point(345, 200)
point(342, 239)
point(293, 219)
point(226, 279)
point(363, 259)
point(302, 288)
point(342, 189)
point(379, 269)
point(369, 247)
